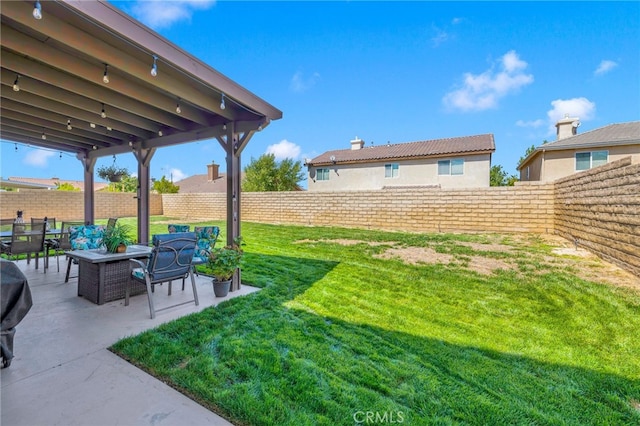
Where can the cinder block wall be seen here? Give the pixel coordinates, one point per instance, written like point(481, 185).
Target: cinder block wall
point(601, 209)
point(526, 208)
point(68, 205)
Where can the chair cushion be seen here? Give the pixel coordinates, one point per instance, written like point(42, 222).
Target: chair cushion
point(138, 273)
point(86, 237)
point(207, 237)
point(178, 228)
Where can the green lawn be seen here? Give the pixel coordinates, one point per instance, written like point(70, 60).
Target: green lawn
point(341, 331)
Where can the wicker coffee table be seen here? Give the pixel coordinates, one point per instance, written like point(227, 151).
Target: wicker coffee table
point(102, 276)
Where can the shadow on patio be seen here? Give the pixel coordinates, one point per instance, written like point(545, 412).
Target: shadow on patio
point(63, 373)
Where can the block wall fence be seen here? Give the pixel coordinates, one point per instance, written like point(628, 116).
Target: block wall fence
point(69, 205)
point(600, 208)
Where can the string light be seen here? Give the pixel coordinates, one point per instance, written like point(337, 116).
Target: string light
point(92, 125)
point(224, 126)
point(16, 147)
point(16, 86)
point(154, 67)
point(103, 114)
point(105, 77)
point(44, 137)
point(222, 105)
point(69, 124)
point(160, 132)
point(61, 155)
point(37, 10)
point(178, 109)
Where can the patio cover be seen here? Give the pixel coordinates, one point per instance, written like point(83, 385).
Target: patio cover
point(59, 62)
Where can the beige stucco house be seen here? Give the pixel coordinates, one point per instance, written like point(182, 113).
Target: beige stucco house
point(572, 152)
point(462, 162)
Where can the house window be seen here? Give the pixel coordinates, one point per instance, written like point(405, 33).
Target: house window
point(588, 160)
point(391, 170)
point(527, 176)
point(322, 174)
point(451, 167)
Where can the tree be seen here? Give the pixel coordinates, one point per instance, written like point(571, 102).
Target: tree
point(165, 186)
point(265, 174)
point(498, 177)
point(66, 186)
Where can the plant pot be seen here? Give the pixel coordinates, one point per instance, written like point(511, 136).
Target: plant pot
point(221, 288)
point(122, 248)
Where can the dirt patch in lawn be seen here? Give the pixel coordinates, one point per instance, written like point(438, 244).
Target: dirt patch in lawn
point(416, 255)
point(501, 248)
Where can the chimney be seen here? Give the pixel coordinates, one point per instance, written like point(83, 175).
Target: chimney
point(212, 171)
point(357, 143)
point(567, 127)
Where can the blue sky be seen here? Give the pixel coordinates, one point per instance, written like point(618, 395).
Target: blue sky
point(393, 72)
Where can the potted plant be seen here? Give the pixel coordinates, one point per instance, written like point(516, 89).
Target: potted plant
point(117, 237)
point(112, 173)
point(222, 264)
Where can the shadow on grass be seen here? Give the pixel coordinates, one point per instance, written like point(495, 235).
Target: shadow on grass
point(256, 361)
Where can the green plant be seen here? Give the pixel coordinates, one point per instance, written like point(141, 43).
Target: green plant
point(224, 261)
point(117, 235)
point(112, 173)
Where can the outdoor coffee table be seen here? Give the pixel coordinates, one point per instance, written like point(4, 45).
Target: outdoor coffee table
point(103, 276)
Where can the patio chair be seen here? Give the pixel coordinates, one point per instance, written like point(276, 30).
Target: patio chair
point(84, 237)
point(207, 237)
point(173, 228)
point(170, 259)
point(26, 238)
point(62, 243)
point(111, 222)
point(50, 223)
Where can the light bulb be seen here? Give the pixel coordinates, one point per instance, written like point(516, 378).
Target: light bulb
point(92, 125)
point(69, 125)
point(159, 132)
point(222, 105)
point(224, 126)
point(105, 77)
point(16, 86)
point(37, 10)
point(178, 109)
point(154, 67)
point(103, 114)
point(44, 137)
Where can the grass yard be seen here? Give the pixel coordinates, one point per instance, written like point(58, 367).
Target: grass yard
point(355, 326)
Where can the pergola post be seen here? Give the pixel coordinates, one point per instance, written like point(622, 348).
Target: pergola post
point(143, 155)
point(89, 195)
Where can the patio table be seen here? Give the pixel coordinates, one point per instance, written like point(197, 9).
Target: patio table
point(16, 302)
point(103, 276)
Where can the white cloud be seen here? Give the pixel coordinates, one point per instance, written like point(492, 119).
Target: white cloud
point(456, 21)
point(284, 149)
point(162, 14)
point(582, 108)
point(483, 91)
point(440, 37)
point(605, 66)
point(38, 158)
point(534, 123)
point(177, 174)
point(299, 83)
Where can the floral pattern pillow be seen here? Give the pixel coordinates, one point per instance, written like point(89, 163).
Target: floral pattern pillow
point(178, 228)
point(206, 240)
point(86, 237)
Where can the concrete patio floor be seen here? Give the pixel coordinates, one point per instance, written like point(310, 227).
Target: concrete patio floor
point(63, 374)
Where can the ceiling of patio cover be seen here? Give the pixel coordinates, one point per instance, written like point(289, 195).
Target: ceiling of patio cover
point(59, 63)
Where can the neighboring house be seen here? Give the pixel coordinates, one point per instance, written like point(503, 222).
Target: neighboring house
point(572, 153)
point(462, 162)
point(213, 181)
point(54, 181)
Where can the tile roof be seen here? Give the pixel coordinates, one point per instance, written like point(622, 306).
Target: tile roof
point(53, 181)
point(202, 184)
point(613, 134)
point(408, 150)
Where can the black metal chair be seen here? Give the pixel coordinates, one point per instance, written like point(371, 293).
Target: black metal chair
point(62, 243)
point(26, 238)
point(49, 243)
point(170, 259)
